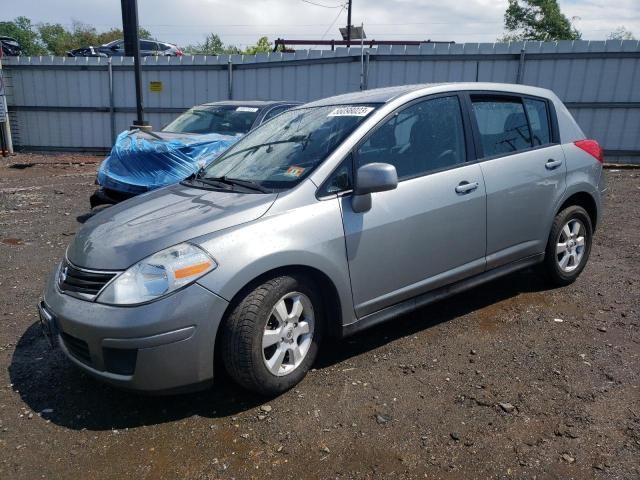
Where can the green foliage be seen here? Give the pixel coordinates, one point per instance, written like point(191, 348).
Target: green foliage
point(56, 39)
point(263, 46)
point(213, 45)
point(537, 20)
point(25, 33)
point(621, 33)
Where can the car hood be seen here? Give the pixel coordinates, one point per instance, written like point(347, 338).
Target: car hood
point(125, 233)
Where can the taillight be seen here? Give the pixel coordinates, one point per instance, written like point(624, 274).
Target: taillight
point(179, 52)
point(592, 147)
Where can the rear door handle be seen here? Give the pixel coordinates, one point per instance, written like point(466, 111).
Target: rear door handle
point(551, 164)
point(466, 187)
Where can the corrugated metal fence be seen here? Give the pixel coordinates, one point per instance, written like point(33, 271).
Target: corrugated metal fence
point(59, 103)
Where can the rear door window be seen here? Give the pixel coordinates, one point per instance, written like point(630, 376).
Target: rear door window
point(502, 124)
point(539, 121)
point(147, 45)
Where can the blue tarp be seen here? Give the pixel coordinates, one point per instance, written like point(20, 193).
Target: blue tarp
point(139, 162)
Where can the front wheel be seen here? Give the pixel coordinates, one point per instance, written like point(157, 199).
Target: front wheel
point(271, 338)
point(569, 245)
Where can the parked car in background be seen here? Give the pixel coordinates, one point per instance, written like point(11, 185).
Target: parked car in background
point(333, 217)
point(86, 52)
point(142, 161)
point(10, 47)
point(115, 48)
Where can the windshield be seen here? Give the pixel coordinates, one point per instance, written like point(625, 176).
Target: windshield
point(283, 151)
point(223, 119)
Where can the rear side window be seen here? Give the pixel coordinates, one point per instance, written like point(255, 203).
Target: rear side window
point(538, 120)
point(424, 137)
point(503, 126)
point(147, 45)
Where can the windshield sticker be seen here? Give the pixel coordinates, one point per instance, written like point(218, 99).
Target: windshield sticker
point(294, 171)
point(350, 112)
point(247, 109)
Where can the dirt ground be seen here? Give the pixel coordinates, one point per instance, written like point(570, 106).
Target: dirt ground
point(510, 380)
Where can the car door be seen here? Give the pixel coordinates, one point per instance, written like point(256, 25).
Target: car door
point(428, 232)
point(524, 172)
point(115, 50)
point(148, 48)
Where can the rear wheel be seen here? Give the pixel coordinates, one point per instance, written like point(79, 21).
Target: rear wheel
point(569, 245)
point(271, 338)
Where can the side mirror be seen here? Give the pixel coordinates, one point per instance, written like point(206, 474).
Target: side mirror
point(371, 178)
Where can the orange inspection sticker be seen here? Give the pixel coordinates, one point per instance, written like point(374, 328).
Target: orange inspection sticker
point(294, 171)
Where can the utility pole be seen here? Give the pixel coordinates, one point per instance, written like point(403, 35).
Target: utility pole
point(132, 49)
point(349, 24)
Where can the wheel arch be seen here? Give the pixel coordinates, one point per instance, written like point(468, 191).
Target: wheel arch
point(330, 296)
point(585, 200)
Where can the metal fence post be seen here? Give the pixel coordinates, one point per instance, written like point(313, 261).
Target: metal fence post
point(520, 74)
point(367, 56)
point(230, 73)
point(4, 111)
point(112, 117)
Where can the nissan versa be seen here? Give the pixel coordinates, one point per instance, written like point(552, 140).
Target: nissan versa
point(332, 217)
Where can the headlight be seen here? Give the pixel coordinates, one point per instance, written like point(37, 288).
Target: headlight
point(158, 275)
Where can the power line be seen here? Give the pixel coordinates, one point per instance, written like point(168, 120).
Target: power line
point(321, 5)
point(332, 23)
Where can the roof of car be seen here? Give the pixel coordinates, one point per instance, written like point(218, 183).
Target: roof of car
point(250, 103)
point(386, 94)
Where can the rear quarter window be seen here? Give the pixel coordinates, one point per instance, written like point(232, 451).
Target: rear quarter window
point(539, 121)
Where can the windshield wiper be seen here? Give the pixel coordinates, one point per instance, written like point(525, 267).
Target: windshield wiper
point(211, 181)
point(295, 139)
point(250, 184)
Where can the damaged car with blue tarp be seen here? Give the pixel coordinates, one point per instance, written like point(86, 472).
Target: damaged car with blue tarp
point(141, 161)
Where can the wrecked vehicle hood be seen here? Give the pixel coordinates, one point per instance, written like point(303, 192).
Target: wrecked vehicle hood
point(121, 235)
point(143, 161)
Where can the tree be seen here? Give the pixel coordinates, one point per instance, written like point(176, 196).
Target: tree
point(23, 31)
point(263, 46)
point(212, 45)
point(621, 33)
point(56, 39)
point(537, 20)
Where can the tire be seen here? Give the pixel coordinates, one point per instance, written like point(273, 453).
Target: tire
point(257, 319)
point(567, 252)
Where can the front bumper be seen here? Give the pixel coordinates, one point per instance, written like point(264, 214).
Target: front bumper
point(104, 196)
point(160, 346)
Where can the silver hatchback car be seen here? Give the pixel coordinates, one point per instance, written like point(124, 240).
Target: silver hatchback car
point(330, 218)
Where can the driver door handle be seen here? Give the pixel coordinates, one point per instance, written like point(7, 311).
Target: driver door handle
point(466, 187)
point(551, 164)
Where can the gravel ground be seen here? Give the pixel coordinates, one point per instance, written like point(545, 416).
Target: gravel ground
point(510, 380)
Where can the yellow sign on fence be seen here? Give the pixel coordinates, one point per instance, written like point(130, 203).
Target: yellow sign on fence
point(155, 86)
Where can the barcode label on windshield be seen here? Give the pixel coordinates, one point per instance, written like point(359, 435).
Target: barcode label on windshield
point(350, 112)
point(246, 109)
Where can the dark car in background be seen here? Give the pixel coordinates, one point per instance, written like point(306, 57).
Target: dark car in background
point(115, 48)
point(10, 47)
point(142, 161)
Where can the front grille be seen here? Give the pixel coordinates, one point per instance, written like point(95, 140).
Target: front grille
point(78, 348)
point(86, 283)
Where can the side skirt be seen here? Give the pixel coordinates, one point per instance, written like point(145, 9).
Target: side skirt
point(438, 294)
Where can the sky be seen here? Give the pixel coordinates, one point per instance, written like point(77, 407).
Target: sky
point(242, 22)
